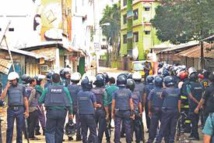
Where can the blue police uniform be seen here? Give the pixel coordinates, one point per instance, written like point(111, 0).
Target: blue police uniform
point(140, 87)
point(15, 110)
point(196, 89)
point(148, 89)
point(85, 101)
point(156, 105)
point(137, 122)
point(170, 113)
point(57, 101)
point(100, 114)
point(122, 112)
point(74, 90)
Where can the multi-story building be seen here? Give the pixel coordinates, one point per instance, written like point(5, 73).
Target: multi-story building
point(136, 29)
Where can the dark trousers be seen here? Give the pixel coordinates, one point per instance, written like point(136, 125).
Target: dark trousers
point(194, 120)
point(102, 124)
point(155, 119)
point(122, 116)
point(41, 119)
point(78, 124)
point(136, 128)
point(13, 114)
point(147, 115)
point(168, 125)
point(32, 119)
point(55, 126)
point(88, 122)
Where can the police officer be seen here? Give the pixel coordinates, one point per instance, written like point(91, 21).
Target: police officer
point(122, 109)
point(205, 81)
point(65, 77)
point(74, 89)
point(206, 98)
point(86, 102)
point(154, 106)
point(49, 80)
point(137, 103)
point(17, 106)
point(33, 109)
point(140, 87)
point(182, 85)
point(102, 112)
point(39, 90)
point(194, 91)
point(57, 101)
point(170, 110)
point(149, 86)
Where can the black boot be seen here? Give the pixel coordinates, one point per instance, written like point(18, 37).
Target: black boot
point(37, 132)
point(70, 138)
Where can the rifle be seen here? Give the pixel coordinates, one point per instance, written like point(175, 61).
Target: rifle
point(27, 133)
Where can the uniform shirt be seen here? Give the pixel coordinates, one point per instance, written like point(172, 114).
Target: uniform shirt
point(209, 125)
point(104, 96)
point(136, 99)
point(196, 89)
point(155, 97)
point(110, 90)
point(171, 96)
point(208, 94)
point(42, 99)
point(31, 98)
point(140, 87)
point(148, 89)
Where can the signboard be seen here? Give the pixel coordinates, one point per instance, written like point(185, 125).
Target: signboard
point(5, 66)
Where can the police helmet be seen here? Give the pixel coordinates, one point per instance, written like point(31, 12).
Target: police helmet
point(182, 75)
point(193, 76)
point(86, 83)
point(205, 73)
point(75, 77)
point(13, 76)
point(130, 84)
point(136, 76)
point(2, 103)
point(165, 73)
point(106, 77)
point(100, 81)
point(160, 65)
point(121, 80)
point(39, 78)
point(158, 81)
point(169, 81)
point(211, 77)
point(70, 128)
point(61, 73)
point(25, 78)
point(149, 79)
point(49, 75)
point(191, 70)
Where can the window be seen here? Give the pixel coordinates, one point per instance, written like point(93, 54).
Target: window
point(135, 12)
point(124, 19)
point(11, 29)
point(147, 32)
point(147, 8)
point(135, 36)
point(124, 39)
point(124, 2)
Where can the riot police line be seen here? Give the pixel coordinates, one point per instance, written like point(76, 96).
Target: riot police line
point(94, 104)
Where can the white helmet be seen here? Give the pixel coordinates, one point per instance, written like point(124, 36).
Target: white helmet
point(75, 76)
point(136, 76)
point(13, 75)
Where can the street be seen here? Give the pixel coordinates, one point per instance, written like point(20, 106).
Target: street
point(111, 72)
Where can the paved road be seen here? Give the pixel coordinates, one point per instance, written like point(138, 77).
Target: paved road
point(114, 73)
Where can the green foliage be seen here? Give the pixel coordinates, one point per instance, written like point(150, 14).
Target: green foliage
point(111, 15)
point(180, 21)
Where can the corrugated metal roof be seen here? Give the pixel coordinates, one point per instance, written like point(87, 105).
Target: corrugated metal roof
point(180, 47)
point(25, 53)
point(195, 52)
point(210, 38)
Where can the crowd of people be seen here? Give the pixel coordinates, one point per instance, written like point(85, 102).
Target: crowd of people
point(52, 100)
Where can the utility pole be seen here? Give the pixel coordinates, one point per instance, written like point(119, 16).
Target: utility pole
point(129, 26)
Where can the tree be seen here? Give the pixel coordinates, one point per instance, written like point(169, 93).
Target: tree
point(180, 21)
point(111, 15)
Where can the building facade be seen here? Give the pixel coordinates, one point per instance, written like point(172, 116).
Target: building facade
point(139, 32)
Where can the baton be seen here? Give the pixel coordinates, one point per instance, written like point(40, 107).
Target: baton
point(27, 133)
